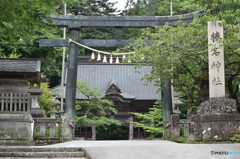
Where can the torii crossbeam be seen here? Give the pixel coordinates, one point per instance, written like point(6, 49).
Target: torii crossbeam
point(120, 21)
point(75, 23)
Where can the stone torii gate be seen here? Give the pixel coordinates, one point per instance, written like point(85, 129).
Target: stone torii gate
point(75, 23)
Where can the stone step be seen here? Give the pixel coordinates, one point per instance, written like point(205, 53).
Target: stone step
point(46, 158)
point(21, 152)
point(39, 149)
point(42, 154)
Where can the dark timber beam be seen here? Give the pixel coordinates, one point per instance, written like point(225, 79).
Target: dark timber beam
point(87, 42)
point(120, 21)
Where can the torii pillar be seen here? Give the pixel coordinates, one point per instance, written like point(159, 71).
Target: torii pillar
point(72, 73)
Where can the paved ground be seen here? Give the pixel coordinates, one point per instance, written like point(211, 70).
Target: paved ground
point(154, 149)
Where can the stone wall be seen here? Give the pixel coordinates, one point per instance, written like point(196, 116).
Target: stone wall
point(213, 127)
point(216, 119)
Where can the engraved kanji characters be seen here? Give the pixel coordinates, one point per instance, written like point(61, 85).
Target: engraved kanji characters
point(215, 36)
point(216, 65)
point(216, 81)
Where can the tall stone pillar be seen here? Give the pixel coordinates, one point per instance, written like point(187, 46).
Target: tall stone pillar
point(72, 74)
point(131, 128)
point(216, 60)
point(166, 105)
point(93, 132)
point(167, 100)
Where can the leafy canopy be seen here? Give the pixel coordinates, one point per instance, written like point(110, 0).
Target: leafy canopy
point(45, 99)
point(181, 52)
point(152, 121)
point(97, 111)
point(23, 23)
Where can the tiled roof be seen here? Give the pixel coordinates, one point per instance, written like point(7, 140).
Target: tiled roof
point(125, 76)
point(19, 65)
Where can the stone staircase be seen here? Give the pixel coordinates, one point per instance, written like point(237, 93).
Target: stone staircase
point(41, 153)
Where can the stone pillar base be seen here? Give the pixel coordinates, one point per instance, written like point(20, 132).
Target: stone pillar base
point(213, 127)
point(37, 113)
point(216, 120)
point(67, 128)
point(15, 129)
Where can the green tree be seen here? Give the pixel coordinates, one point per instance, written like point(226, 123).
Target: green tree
point(152, 121)
point(94, 8)
point(97, 111)
point(160, 7)
point(156, 8)
point(23, 20)
point(45, 99)
point(180, 52)
point(22, 24)
point(172, 56)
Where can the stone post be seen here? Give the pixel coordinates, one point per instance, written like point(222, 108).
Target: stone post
point(67, 128)
point(186, 129)
point(175, 129)
point(93, 132)
point(131, 128)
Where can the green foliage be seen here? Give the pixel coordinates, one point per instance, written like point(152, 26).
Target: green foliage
point(236, 136)
point(24, 19)
point(58, 130)
point(180, 53)
point(12, 56)
point(45, 99)
point(152, 121)
point(161, 7)
point(219, 6)
point(96, 110)
point(185, 140)
point(99, 120)
point(22, 24)
point(92, 7)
